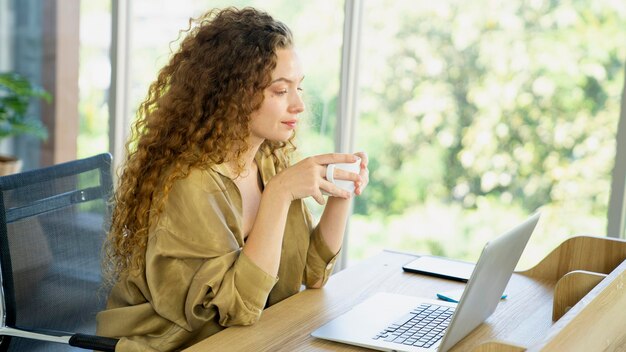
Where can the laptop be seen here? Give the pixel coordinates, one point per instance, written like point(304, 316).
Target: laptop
point(393, 322)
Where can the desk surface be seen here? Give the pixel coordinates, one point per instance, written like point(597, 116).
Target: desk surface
point(287, 325)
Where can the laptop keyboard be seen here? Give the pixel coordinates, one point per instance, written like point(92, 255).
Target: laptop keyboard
point(422, 327)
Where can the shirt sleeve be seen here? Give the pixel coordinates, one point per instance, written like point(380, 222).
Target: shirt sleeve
point(195, 268)
point(320, 259)
point(127, 345)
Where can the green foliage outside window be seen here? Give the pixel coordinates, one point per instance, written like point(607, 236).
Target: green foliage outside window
point(488, 112)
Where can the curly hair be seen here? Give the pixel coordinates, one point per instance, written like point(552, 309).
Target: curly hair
point(196, 115)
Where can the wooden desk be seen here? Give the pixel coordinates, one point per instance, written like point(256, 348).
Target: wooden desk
point(523, 320)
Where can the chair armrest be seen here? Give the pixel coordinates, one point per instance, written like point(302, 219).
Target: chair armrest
point(93, 342)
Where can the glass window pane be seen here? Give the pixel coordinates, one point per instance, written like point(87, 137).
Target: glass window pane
point(94, 77)
point(22, 43)
point(476, 114)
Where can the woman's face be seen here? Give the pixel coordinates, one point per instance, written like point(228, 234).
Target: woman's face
point(277, 117)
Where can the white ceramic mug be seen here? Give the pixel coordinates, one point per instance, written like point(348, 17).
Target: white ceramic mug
point(347, 185)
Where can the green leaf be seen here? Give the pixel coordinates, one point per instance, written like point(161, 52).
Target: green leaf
point(16, 94)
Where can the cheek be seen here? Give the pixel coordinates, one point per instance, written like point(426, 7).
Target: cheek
point(259, 122)
point(255, 123)
point(265, 115)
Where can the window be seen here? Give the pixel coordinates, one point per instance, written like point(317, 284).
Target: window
point(94, 77)
point(476, 114)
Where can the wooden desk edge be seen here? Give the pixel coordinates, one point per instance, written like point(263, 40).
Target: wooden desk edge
point(392, 262)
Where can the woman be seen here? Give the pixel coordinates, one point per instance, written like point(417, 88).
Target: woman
point(209, 225)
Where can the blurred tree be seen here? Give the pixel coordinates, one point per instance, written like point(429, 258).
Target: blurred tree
point(477, 113)
point(496, 99)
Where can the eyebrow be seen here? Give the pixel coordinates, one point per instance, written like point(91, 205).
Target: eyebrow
point(283, 79)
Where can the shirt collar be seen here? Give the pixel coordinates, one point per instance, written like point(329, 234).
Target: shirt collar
point(264, 163)
point(266, 166)
point(224, 170)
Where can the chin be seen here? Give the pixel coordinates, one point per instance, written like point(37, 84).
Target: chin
point(283, 137)
point(277, 140)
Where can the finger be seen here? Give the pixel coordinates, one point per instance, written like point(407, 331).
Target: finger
point(364, 158)
point(334, 190)
point(319, 198)
point(363, 184)
point(341, 174)
point(360, 188)
point(365, 176)
point(333, 158)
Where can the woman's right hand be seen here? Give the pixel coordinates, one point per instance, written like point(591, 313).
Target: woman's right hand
point(308, 178)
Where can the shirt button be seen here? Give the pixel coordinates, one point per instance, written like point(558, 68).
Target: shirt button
point(330, 265)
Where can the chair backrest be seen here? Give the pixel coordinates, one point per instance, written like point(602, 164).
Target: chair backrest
point(52, 225)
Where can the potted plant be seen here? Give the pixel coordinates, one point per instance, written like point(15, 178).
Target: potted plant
point(16, 94)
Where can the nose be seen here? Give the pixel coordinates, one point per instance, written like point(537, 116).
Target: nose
point(296, 104)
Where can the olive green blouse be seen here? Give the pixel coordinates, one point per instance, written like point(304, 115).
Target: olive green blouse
point(197, 281)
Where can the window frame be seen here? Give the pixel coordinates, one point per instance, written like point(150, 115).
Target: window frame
point(617, 202)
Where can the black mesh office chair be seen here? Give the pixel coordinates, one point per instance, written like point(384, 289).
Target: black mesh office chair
point(52, 225)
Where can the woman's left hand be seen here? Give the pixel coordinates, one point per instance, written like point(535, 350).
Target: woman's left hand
point(364, 173)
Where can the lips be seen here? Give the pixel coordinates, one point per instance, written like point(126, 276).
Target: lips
point(290, 123)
